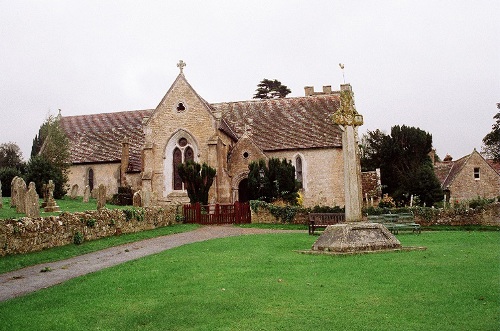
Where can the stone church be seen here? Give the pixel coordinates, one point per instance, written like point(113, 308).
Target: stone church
point(142, 148)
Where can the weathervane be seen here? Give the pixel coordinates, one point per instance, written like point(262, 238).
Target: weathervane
point(181, 65)
point(341, 65)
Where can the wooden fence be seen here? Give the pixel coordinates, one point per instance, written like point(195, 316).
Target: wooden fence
point(237, 213)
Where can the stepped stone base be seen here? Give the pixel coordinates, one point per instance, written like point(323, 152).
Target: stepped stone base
point(354, 238)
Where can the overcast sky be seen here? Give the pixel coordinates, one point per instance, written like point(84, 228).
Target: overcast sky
point(434, 64)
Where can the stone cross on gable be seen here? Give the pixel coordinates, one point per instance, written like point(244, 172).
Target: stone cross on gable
point(181, 65)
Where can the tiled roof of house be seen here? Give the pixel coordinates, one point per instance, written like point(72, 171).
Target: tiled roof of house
point(276, 124)
point(98, 137)
point(286, 123)
point(447, 171)
point(494, 164)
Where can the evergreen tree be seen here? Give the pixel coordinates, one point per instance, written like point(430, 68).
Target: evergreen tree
point(404, 162)
point(197, 179)
point(272, 182)
point(271, 89)
point(39, 170)
point(6, 176)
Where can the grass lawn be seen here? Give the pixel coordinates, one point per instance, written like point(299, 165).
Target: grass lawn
point(257, 282)
point(66, 204)
point(18, 261)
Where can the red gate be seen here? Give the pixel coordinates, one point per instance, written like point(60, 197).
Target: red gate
point(237, 213)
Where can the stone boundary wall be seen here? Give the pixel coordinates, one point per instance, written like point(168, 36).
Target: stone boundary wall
point(26, 234)
point(489, 216)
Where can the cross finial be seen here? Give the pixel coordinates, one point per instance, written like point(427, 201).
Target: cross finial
point(181, 65)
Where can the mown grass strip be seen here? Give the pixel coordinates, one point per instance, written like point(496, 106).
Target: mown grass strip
point(258, 282)
point(14, 262)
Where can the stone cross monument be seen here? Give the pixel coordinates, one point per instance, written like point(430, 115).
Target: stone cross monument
point(348, 120)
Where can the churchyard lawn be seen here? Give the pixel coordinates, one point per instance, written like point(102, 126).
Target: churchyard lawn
point(258, 282)
point(67, 205)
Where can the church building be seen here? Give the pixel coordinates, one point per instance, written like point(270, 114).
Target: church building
point(142, 148)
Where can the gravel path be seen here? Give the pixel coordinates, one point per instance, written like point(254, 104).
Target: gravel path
point(30, 279)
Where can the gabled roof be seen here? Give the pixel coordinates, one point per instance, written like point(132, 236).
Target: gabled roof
point(98, 137)
point(272, 124)
point(447, 171)
point(286, 123)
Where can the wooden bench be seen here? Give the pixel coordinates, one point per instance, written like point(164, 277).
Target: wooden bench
point(322, 220)
point(396, 222)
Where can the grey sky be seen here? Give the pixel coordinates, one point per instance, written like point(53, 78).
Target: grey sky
point(429, 64)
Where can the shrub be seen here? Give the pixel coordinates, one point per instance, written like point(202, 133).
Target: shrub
point(78, 238)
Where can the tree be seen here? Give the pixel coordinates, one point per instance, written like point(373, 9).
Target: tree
point(197, 179)
point(51, 148)
point(271, 89)
point(39, 170)
point(276, 181)
point(405, 166)
point(491, 142)
point(10, 156)
point(6, 176)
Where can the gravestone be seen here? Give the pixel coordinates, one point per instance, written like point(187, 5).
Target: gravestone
point(86, 194)
point(51, 202)
point(45, 195)
point(136, 201)
point(20, 195)
point(74, 191)
point(101, 196)
point(32, 201)
point(13, 192)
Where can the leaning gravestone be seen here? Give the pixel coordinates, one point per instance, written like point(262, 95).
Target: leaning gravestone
point(136, 200)
point(32, 201)
point(20, 197)
point(86, 194)
point(101, 196)
point(74, 191)
point(51, 202)
point(13, 192)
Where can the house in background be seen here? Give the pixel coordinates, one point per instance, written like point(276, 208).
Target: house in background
point(142, 148)
point(468, 178)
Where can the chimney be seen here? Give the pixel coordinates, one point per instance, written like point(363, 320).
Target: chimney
point(124, 161)
point(309, 90)
point(327, 89)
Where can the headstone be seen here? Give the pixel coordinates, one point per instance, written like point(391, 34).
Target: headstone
point(101, 196)
point(20, 195)
point(32, 201)
point(45, 195)
point(74, 191)
point(13, 192)
point(136, 201)
point(51, 202)
point(86, 194)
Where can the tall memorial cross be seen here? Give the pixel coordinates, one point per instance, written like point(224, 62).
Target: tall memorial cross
point(348, 119)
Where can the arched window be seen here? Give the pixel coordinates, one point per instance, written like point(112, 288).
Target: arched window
point(90, 182)
point(298, 171)
point(183, 152)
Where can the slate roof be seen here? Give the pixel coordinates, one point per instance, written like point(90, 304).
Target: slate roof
point(98, 138)
point(447, 171)
point(275, 124)
point(286, 123)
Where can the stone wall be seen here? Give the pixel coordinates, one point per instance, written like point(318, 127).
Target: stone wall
point(490, 215)
point(25, 234)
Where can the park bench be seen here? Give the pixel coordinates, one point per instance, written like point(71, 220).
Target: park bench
point(396, 222)
point(322, 220)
